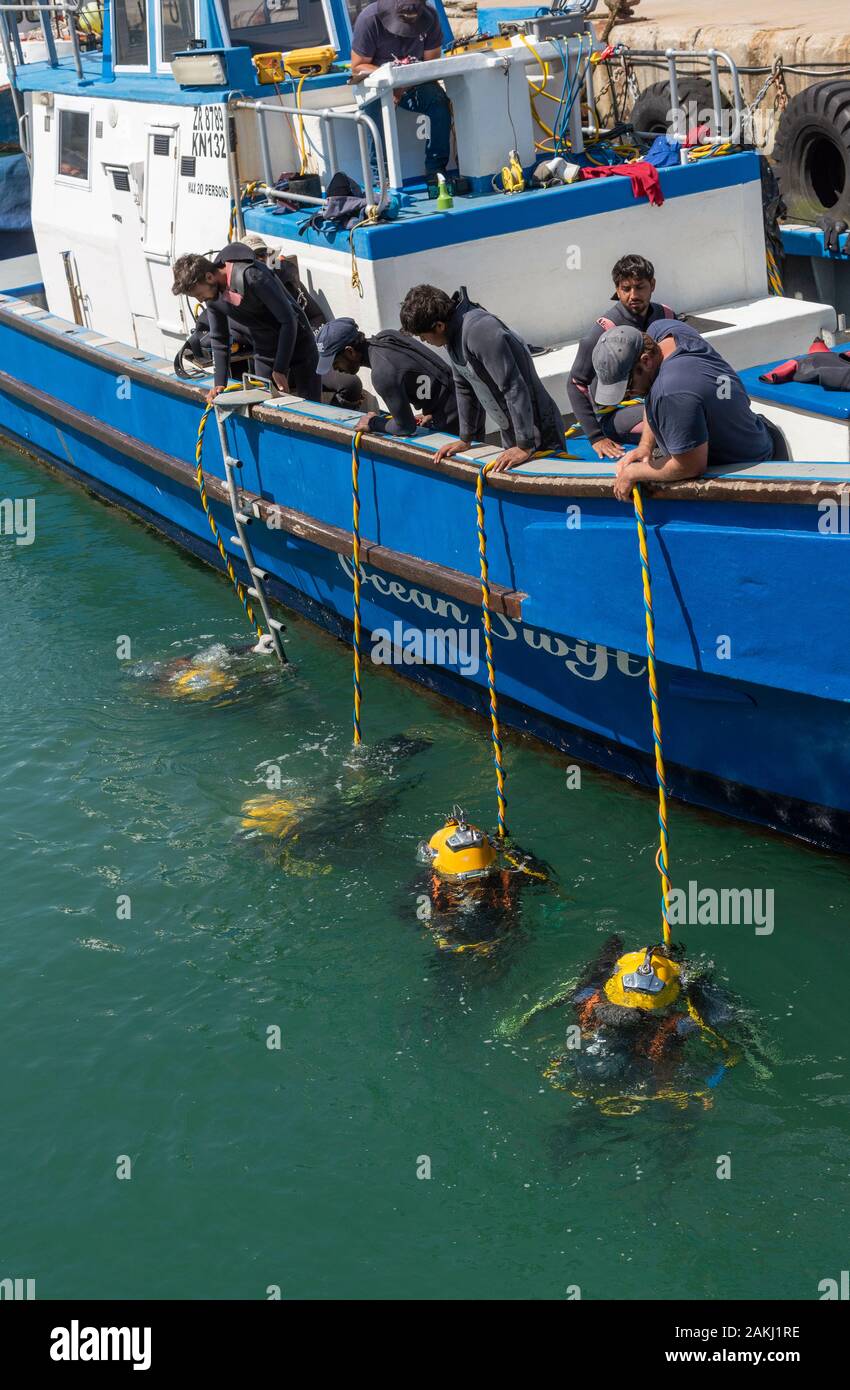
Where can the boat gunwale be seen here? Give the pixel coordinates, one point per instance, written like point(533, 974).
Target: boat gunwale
point(706, 489)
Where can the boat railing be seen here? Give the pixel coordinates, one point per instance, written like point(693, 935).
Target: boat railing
point(326, 117)
point(719, 113)
point(63, 7)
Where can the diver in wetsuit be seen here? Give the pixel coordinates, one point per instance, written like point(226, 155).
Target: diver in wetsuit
point(214, 671)
point(311, 833)
point(470, 901)
point(636, 1012)
point(245, 299)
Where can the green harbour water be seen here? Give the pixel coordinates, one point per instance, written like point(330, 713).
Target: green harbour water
point(254, 1168)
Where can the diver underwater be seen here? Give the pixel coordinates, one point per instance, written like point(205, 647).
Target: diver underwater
point(315, 828)
point(209, 674)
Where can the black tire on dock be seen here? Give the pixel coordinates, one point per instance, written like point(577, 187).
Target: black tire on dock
point(651, 111)
point(812, 152)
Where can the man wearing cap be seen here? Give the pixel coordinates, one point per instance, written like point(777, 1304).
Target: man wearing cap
point(243, 297)
point(408, 377)
point(698, 413)
point(406, 30)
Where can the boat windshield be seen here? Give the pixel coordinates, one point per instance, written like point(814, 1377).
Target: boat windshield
point(276, 26)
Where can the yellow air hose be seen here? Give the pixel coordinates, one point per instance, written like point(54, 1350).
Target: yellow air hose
point(302, 147)
point(661, 858)
point(495, 731)
point(355, 555)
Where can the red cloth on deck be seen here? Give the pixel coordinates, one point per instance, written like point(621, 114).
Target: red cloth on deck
point(644, 177)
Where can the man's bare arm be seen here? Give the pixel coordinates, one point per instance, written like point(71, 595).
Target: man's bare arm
point(361, 67)
point(691, 464)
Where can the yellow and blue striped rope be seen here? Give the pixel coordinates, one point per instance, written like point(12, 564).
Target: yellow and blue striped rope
point(202, 489)
point(774, 277)
point(663, 841)
point(355, 552)
point(488, 646)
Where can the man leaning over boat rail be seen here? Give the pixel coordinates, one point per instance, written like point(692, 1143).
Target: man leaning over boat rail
point(241, 294)
point(416, 386)
point(698, 413)
point(494, 374)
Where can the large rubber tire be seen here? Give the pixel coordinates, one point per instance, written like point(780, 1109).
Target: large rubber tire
point(812, 152)
point(651, 110)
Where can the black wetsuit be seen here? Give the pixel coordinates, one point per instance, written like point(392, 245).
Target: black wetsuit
point(256, 306)
point(408, 376)
point(476, 914)
point(494, 372)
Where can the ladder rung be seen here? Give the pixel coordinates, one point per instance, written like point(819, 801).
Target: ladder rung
point(278, 627)
point(234, 540)
point(243, 518)
point(259, 574)
point(233, 463)
point(254, 593)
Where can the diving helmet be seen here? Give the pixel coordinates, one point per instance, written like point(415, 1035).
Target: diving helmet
point(458, 849)
point(645, 979)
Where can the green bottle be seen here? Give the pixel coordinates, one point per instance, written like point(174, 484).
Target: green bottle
point(444, 197)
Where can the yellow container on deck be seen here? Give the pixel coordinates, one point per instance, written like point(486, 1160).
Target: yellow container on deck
point(481, 45)
point(300, 62)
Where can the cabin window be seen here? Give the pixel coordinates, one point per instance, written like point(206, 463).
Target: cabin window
point(73, 145)
point(130, 33)
point(177, 26)
point(275, 26)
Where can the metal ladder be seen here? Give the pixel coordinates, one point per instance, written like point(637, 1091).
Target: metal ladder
point(225, 406)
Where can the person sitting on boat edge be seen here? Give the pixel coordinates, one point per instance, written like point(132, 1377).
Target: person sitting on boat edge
point(408, 377)
point(243, 295)
point(698, 413)
point(404, 31)
point(609, 430)
point(494, 374)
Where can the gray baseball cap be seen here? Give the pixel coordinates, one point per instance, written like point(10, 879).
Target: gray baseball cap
point(331, 338)
point(255, 242)
point(613, 358)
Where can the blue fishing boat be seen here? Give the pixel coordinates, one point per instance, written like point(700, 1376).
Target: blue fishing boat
point(172, 137)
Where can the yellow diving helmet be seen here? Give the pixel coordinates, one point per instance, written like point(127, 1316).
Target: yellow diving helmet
point(272, 815)
point(202, 681)
point(460, 850)
point(645, 979)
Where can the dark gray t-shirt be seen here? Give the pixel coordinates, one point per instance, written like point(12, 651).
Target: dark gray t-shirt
point(377, 45)
point(698, 397)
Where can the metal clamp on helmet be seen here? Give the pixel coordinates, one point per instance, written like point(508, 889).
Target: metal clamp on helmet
point(459, 849)
point(645, 979)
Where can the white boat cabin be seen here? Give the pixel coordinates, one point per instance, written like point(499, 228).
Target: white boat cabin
point(149, 148)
